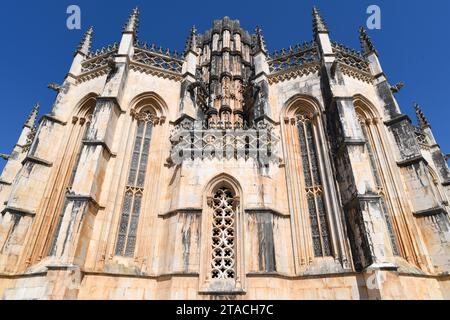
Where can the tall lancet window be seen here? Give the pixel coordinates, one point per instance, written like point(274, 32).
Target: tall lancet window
point(223, 262)
point(134, 190)
point(374, 163)
point(314, 187)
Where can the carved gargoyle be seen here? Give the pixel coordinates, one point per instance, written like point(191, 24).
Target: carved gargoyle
point(396, 88)
point(55, 87)
point(5, 156)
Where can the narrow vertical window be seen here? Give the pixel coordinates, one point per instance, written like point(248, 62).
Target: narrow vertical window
point(380, 188)
point(314, 188)
point(134, 190)
point(223, 264)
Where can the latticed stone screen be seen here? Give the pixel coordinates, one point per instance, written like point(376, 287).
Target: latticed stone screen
point(223, 264)
point(134, 190)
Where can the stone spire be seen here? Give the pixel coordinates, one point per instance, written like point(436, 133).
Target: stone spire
point(423, 121)
point(132, 25)
point(260, 43)
point(86, 43)
point(319, 25)
point(191, 42)
point(366, 42)
point(31, 120)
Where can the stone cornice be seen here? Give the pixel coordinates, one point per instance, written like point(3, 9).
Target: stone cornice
point(161, 73)
point(292, 73)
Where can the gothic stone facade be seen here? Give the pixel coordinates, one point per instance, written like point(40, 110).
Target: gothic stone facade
point(225, 172)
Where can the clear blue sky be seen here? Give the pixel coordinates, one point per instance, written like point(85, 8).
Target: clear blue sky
point(37, 48)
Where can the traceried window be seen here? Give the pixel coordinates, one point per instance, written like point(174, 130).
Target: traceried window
point(223, 263)
point(380, 188)
point(134, 190)
point(314, 187)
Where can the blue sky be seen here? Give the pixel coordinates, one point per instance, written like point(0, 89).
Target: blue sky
point(37, 48)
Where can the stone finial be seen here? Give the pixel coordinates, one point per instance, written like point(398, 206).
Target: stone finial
point(423, 121)
point(191, 42)
point(132, 24)
point(260, 43)
point(85, 44)
point(366, 42)
point(31, 120)
point(319, 25)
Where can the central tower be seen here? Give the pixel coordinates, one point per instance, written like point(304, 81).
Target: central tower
point(220, 75)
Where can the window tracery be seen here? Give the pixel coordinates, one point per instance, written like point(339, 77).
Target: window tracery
point(134, 190)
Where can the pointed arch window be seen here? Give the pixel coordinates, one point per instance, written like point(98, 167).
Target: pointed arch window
point(134, 190)
point(314, 187)
point(374, 164)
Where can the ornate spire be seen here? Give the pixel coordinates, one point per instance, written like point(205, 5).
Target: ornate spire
point(260, 43)
point(86, 43)
point(31, 120)
point(423, 121)
point(366, 42)
point(132, 24)
point(191, 42)
point(319, 25)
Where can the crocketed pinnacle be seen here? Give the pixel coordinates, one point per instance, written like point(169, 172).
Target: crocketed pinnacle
point(319, 25)
point(86, 42)
point(31, 120)
point(366, 42)
point(132, 24)
point(191, 42)
point(423, 121)
point(260, 43)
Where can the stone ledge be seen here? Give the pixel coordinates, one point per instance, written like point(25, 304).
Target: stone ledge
point(408, 162)
point(84, 198)
point(397, 119)
point(5, 183)
point(430, 212)
point(267, 210)
point(37, 161)
point(237, 292)
point(53, 119)
point(100, 143)
point(19, 211)
point(169, 214)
